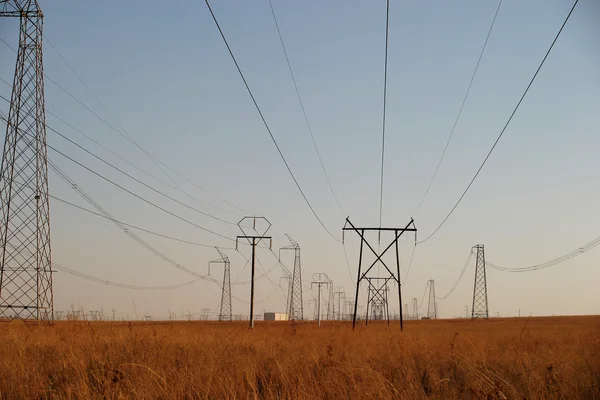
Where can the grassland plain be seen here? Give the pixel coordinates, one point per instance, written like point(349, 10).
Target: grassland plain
point(536, 358)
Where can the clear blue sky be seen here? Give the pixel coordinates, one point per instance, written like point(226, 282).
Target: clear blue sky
point(163, 71)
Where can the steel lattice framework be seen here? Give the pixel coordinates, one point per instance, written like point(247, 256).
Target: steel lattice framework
point(331, 301)
point(225, 310)
point(480, 300)
point(25, 259)
point(295, 308)
point(415, 308)
point(432, 306)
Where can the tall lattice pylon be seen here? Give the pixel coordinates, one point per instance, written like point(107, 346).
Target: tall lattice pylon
point(295, 308)
point(432, 307)
point(480, 300)
point(225, 310)
point(25, 259)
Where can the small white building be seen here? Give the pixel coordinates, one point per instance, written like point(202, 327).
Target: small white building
point(271, 316)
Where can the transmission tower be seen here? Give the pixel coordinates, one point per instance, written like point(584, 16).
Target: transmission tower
point(25, 260)
point(341, 297)
point(295, 309)
point(406, 310)
point(393, 273)
point(225, 310)
point(254, 240)
point(432, 308)
point(320, 279)
point(415, 308)
point(331, 301)
point(377, 299)
point(480, 300)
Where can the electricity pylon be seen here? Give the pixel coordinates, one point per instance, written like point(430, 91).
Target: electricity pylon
point(377, 299)
point(331, 302)
point(320, 279)
point(415, 308)
point(480, 300)
point(341, 294)
point(25, 259)
point(432, 307)
point(225, 310)
point(254, 240)
point(393, 273)
point(294, 309)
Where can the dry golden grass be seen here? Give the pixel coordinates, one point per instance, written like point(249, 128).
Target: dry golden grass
point(451, 359)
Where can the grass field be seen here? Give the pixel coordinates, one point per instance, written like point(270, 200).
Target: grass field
point(542, 358)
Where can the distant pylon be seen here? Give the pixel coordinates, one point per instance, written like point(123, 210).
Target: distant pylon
point(295, 308)
point(415, 308)
point(225, 310)
point(480, 300)
point(25, 259)
point(331, 302)
point(406, 311)
point(432, 308)
point(341, 298)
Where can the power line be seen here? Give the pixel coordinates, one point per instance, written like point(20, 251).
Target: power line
point(304, 111)
point(124, 132)
point(174, 187)
point(387, 19)
point(412, 254)
point(139, 197)
point(123, 172)
point(505, 126)
point(423, 298)
point(137, 180)
point(437, 168)
point(136, 227)
point(265, 121)
point(348, 264)
point(123, 285)
point(459, 278)
point(565, 257)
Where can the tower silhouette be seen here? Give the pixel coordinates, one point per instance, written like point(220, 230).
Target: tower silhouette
point(25, 259)
point(225, 310)
point(432, 308)
point(295, 308)
point(480, 300)
point(415, 308)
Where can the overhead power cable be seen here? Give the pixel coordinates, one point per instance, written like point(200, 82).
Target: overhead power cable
point(505, 125)
point(142, 170)
point(559, 260)
point(412, 255)
point(137, 180)
point(312, 136)
point(387, 19)
point(459, 278)
point(123, 133)
point(423, 298)
point(264, 121)
point(122, 285)
point(462, 106)
point(137, 227)
point(136, 195)
point(139, 197)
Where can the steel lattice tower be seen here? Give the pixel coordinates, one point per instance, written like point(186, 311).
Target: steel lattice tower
point(330, 302)
point(25, 260)
point(415, 308)
point(432, 307)
point(225, 310)
point(295, 308)
point(480, 300)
